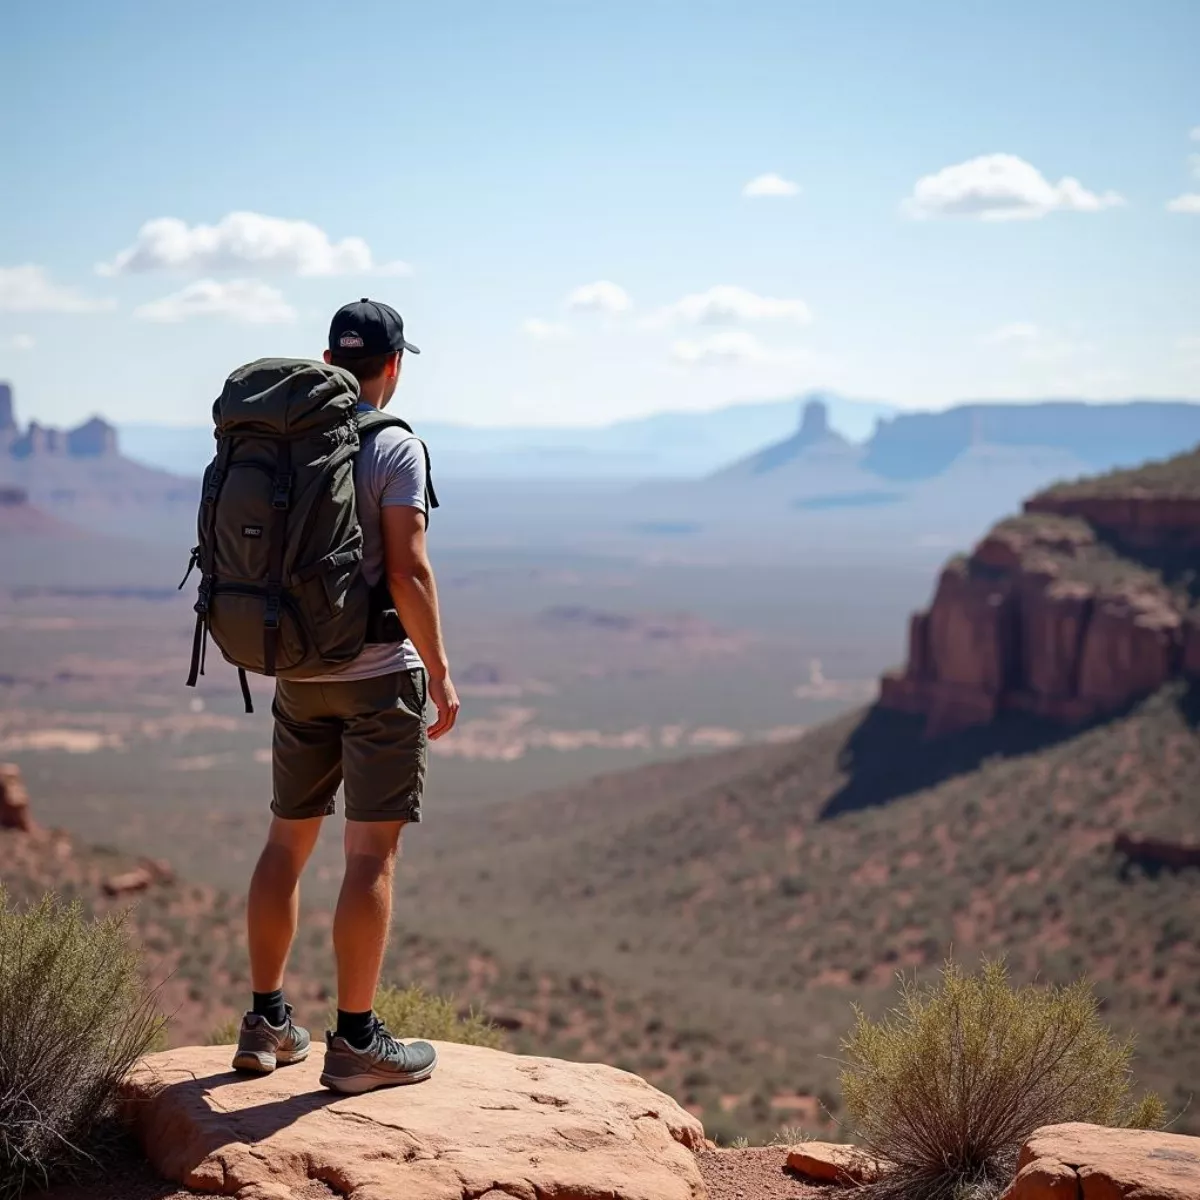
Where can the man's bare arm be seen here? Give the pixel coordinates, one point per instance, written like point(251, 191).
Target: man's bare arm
point(414, 592)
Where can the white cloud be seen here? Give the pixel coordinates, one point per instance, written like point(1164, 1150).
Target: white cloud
point(770, 184)
point(729, 346)
point(726, 304)
point(1034, 344)
point(1189, 202)
point(29, 289)
point(1000, 187)
point(247, 301)
point(1016, 331)
point(19, 341)
point(246, 239)
point(543, 331)
point(601, 296)
point(1195, 133)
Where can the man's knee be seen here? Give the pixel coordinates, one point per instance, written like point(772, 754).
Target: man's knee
point(372, 848)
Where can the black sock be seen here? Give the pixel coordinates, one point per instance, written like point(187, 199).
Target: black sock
point(357, 1028)
point(270, 1005)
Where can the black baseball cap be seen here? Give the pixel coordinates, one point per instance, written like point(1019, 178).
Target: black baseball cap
point(367, 328)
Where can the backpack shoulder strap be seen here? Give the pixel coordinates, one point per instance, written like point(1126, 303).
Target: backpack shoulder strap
point(371, 422)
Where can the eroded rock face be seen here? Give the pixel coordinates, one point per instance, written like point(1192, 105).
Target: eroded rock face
point(1088, 1162)
point(14, 800)
point(1141, 519)
point(1039, 620)
point(486, 1124)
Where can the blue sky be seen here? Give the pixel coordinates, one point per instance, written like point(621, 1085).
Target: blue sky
point(969, 200)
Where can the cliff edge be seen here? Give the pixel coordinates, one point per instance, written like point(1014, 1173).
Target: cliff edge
point(1087, 601)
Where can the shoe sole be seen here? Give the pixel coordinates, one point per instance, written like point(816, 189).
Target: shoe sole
point(356, 1085)
point(262, 1062)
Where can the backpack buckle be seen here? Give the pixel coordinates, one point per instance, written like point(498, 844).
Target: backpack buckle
point(203, 594)
point(281, 496)
point(272, 611)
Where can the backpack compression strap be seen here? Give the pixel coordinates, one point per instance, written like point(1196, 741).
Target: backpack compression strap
point(372, 422)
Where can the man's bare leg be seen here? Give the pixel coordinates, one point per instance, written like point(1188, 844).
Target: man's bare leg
point(362, 1054)
point(273, 906)
point(364, 910)
point(268, 1037)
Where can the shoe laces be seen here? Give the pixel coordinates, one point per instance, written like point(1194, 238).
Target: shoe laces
point(392, 1046)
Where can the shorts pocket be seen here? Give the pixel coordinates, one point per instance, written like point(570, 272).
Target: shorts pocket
point(413, 692)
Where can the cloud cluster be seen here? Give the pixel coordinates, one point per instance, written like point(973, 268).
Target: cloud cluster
point(29, 289)
point(248, 301)
point(246, 239)
point(543, 331)
point(1033, 343)
point(770, 185)
point(729, 346)
point(1000, 187)
point(1189, 202)
point(19, 341)
point(726, 304)
point(601, 296)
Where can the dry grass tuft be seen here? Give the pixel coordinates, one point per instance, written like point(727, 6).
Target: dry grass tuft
point(413, 1013)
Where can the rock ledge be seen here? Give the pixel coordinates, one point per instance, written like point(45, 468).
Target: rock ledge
point(487, 1126)
point(1087, 1162)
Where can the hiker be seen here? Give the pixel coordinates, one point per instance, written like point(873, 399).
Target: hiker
point(354, 641)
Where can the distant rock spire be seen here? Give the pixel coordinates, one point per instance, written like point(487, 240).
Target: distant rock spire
point(814, 421)
point(8, 419)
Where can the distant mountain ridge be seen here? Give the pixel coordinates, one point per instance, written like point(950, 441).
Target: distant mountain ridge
point(662, 445)
point(80, 477)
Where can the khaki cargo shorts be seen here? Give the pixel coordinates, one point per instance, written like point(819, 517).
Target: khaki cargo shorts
point(367, 733)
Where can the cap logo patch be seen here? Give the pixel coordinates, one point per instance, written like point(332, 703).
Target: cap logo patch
point(350, 341)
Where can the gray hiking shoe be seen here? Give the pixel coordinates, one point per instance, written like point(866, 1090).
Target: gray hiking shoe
point(262, 1046)
point(386, 1062)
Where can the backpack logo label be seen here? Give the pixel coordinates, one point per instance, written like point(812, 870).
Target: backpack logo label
point(350, 341)
point(252, 531)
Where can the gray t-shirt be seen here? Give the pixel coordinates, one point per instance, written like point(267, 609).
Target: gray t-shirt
point(389, 470)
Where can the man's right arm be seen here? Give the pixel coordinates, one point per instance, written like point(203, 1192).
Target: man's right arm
point(414, 592)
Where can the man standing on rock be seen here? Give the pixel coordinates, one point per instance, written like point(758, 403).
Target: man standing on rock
point(361, 723)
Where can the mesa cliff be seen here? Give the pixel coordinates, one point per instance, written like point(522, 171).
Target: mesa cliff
point(1071, 611)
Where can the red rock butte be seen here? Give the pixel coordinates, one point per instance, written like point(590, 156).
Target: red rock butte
point(1071, 611)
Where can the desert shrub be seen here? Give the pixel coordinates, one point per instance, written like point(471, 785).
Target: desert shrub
point(224, 1034)
point(950, 1083)
point(413, 1013)
point(74, 1017)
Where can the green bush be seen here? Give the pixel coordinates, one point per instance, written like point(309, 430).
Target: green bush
point(413, 1013)
point(74, 1018)
point(224, 1034)
point(949, 1084)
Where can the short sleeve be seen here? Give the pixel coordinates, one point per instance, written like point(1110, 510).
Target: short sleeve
point(402, 474)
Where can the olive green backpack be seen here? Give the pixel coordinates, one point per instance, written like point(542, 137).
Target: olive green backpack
point(279, 544)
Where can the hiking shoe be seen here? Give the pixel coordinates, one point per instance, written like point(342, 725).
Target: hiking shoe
point(262, 1046)
point(386, 1062)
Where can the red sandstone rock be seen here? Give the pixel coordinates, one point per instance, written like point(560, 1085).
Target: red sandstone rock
point(1087, 1162)
point(137, 880)
point(1013, 628)
point(486, 1124)
point(1129, 649)
point(829, 1162)
point(1158, 852)
point(970, 630)
point(14, 800)
point(1191, 647)
point(1054, 620)
point(1138, 518)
